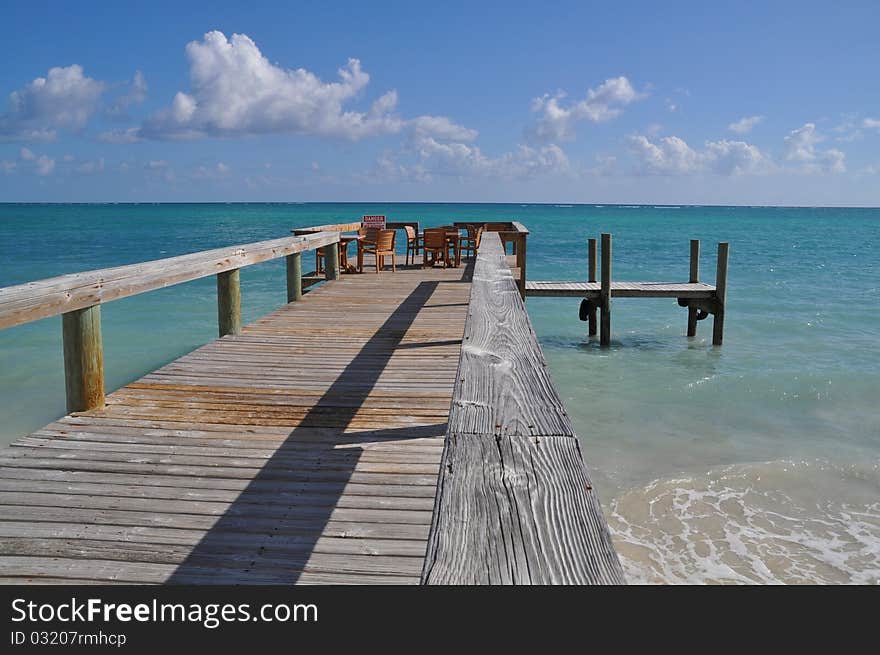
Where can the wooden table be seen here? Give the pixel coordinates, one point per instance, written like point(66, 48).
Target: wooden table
point(344, 240)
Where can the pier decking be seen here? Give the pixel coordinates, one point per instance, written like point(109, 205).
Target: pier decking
point(307, 446)
point(700, 299)
point(620, 289)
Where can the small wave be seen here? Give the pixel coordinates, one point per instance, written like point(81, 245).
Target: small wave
point(778, 522)
point(666, 207)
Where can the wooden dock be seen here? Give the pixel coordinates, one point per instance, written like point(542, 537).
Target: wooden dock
point(306, 447)
point(700, 299)
point(620, 289)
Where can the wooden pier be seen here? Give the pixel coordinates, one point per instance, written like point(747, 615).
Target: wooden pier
point(370, 421)
point(700, 299)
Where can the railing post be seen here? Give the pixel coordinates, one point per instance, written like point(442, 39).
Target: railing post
point(83, 359)
point(591, 264)
point(229, 302)
point(694, 277)
point(294, 277)
point(720, 294)
point(521, 263)
point(605, 293)
point(331, 261)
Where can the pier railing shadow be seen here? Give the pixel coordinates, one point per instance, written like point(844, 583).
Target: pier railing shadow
point(268, 534)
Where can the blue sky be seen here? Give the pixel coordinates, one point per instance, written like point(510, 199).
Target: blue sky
point(673, 102)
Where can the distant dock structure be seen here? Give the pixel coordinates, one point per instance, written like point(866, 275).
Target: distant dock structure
point(700, 299)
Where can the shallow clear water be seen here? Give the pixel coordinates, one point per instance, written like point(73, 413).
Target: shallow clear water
point(755, 462)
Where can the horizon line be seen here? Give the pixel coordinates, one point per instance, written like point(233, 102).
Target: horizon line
point(559, 204)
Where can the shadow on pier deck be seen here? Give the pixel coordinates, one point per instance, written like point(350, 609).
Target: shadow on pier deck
point(306, 448)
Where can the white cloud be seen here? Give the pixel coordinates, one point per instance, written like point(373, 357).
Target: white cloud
point(237, 91)
point(441, 127)
point(556, 122)
point(64, 99)
point(871, 123)
point(28, 161)
point(800, 149)
point(45, 165)
point(671, 155)
point(7, 166)
point(136, 95)
point(734, 158)
point(211, 173)
point(744, 125)
point(426, 157)
point(800, 144)
point(128, 135)
point(156, 164)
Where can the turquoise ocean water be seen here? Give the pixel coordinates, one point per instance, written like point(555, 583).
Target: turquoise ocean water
point(755, 462)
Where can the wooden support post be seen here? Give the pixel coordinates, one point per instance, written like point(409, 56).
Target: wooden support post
point(720, 294)
point(605, 293)
point(294, 277)
point(694, 277)
point(592, 263)
point(331, 261)
point(229, 302)
point(521, 263)
point(83, 359)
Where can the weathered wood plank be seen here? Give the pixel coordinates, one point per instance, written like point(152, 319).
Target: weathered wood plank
point(543, 288)
point(83, 359)
point(188, 537)
point(518, 510)
point(157, 573)
point(66, 293)
point(284, 454)
point(503, 384)
point(514, 500)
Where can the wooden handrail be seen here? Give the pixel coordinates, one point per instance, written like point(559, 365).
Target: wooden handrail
point(58, 295)
point(333, 227)
point(78, 298)
point(510, 232)
point(514, 502)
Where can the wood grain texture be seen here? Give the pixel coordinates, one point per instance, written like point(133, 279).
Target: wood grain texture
point(293, 267)
point(503, 384)
point(304, 450)
point(83, 359)
point(619, 289)
point(66, 293)
point(518, 510)
point(229, 302)
point(514, 504)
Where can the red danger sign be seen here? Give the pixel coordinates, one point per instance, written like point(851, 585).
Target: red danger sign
point(377, 222)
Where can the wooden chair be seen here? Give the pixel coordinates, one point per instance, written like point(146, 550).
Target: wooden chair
point(369, 233)
point(469, 243)
point(478, 237)
point(381, 248)
point(412, 244)
point(369, 239)
point(436, 246)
